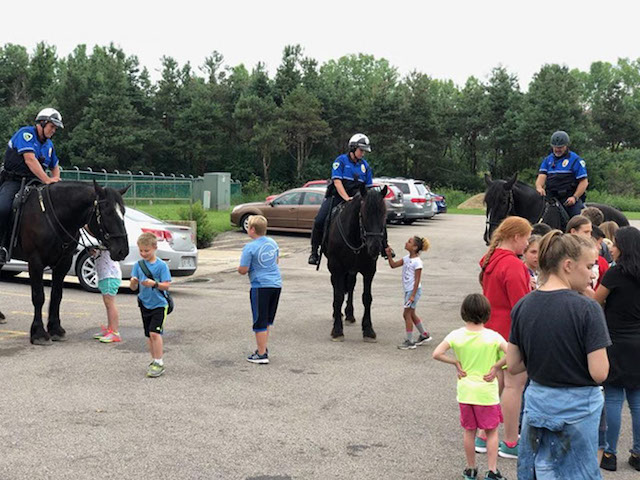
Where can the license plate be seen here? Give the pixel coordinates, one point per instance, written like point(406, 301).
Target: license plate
point(188, 262)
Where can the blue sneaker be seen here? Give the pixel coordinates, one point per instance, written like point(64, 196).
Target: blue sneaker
point(508, 452)
point(481, 445)
point(255, 357)
point(470, 474)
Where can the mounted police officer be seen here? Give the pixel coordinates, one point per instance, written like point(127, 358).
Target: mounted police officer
point(29, 153)
point(349, 171)
point(563, 174)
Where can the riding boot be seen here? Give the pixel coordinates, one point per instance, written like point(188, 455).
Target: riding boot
point(316, 239)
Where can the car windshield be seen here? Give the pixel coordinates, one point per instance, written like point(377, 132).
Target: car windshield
point(404, 187)
point(138, 216)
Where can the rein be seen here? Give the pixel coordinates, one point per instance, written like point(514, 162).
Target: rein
point(364, 233)
point(510, 211)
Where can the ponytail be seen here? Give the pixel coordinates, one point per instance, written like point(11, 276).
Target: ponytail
point(556, 246)
point(422, 243)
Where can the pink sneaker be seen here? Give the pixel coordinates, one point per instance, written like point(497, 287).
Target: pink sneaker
point(103, 331)
point(111, 337)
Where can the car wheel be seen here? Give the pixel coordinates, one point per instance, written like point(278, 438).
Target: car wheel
point(244, 223)
point(409, 221)
point(86, 272)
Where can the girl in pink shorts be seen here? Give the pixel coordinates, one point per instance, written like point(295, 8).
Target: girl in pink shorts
point(479, 356)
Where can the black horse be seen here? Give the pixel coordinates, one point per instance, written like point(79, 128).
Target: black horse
point(355, 239)
point(512, 197)
point(48, 235)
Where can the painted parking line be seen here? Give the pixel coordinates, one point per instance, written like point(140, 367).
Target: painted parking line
point(12, 334)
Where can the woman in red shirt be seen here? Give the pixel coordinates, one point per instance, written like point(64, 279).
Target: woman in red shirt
point(505, 280)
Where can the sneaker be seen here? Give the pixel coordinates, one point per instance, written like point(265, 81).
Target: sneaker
point(103, 331)
point(155, 370)
point(111, 337)
point(423, 339)
point(508, 452)
point(255, 357)
point(634, 461)
point(470, 474)
point(494, 475)
point(481, 445)
point(609, 462)
point(407, 345)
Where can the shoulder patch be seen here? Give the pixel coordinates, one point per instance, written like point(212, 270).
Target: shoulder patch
point(565, 162)
point(363, 168)
point(583, 163)
point(336, 165)
point(27, 136)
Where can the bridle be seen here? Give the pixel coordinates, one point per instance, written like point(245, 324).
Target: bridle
point(510, 212)
point(364, 233)
point(103, 234)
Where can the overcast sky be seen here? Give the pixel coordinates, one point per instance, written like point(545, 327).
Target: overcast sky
point(444, 39)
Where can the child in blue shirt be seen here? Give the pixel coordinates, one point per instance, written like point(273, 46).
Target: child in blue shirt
point(260, 260)
point(152, 302)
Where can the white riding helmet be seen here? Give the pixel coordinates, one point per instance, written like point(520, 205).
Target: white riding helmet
point(50, 115)
point(361, 141)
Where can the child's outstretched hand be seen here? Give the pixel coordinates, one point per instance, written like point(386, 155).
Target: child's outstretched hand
point(489, 377)
point(460, 371)
point(388, 251)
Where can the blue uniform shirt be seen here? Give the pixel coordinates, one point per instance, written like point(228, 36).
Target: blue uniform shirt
point(152, 297)
point(345, 169)
point(563, 173)
point(261, 256)
point(26, 140)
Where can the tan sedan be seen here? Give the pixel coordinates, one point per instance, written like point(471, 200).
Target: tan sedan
point(292, 211)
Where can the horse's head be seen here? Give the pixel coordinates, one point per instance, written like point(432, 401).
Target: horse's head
point(499, 201)
point(107, 223)
point(373, 217)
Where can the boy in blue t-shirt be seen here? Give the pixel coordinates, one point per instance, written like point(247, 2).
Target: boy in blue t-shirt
point(260, 260)
point(152, 302)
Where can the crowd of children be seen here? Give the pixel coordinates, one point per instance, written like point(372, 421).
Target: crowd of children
point(534, 336)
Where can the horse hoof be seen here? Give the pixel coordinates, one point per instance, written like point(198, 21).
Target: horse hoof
point(58, 338)
point(370, 340)
point(350, 320)
point(41, 341)
point(2, 317)
point(338, 339)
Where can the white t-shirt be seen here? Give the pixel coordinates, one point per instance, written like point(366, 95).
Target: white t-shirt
point(409, 267)
point(106, 267)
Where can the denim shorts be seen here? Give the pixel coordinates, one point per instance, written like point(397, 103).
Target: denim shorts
point(109, 286)
point(407, 295)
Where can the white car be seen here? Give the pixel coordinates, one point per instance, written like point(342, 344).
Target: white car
point(176, 246)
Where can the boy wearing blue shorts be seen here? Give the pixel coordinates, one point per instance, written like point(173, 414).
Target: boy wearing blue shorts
point(152, 302)
point(260, 260)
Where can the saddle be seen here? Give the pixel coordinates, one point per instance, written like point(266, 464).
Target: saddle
point(26, 187)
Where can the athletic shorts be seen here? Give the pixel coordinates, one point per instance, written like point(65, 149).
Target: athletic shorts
point(264, 303)
point(486, 417)
point(109, 286)
point(153, 320)
point(407, 295)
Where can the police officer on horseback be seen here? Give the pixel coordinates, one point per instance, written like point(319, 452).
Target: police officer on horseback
point(348, 172)
point(563, 174)
point(29, 153)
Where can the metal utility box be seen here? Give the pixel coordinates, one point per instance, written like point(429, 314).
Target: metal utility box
point(219, 186)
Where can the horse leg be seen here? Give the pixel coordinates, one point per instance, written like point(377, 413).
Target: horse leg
point(350, 286)
point(54, 328)
point(38, 334)
point(338, 281)
point(367, 328)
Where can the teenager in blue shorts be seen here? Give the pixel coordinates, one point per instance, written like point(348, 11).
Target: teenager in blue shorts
point(260, 260)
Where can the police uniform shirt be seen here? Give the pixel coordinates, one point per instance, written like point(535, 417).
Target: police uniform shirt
point(350, 173)
point(26, 140)
point(563, 173)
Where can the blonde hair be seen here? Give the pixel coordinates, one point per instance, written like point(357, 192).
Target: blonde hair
point(508, 229)
point(422, 243)
point(557, 246)
point(532, 239)
point(609, 229)
point(258, 223)
point(148, 239)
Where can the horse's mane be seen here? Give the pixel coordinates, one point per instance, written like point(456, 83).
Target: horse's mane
point(495, 192)
point(110, 193)
point(374, 203)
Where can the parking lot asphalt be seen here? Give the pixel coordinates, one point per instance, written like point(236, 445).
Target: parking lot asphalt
point(320, 410)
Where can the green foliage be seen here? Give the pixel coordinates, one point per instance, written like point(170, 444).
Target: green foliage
point(276, 132)
point(198, 214)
